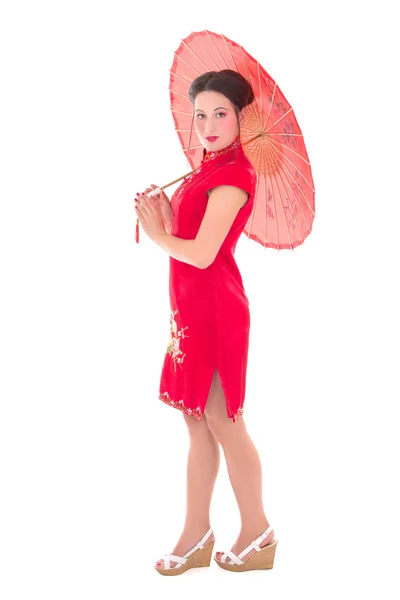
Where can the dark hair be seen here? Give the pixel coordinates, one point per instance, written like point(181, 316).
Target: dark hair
point(227, 82)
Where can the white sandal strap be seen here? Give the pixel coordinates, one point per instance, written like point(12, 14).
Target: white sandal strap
point(205, 538)
point(178, 559)
point(200, 544)
point(235, 559)
point(182, 559)
point(255, 543)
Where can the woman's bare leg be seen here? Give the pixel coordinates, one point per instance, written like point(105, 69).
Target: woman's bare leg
point(202, 469)
point(244, 468)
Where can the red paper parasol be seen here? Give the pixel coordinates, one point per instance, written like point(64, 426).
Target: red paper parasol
point(284, 206)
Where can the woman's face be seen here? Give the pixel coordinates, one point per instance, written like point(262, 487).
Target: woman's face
point(214, 115)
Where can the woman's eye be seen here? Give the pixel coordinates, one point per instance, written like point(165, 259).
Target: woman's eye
point(201, 115)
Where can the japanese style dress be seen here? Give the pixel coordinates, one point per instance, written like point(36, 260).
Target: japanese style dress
point(209, 319)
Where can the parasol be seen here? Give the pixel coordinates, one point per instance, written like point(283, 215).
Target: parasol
point(284, 203)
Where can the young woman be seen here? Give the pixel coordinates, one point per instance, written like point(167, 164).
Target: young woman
point(204, 371)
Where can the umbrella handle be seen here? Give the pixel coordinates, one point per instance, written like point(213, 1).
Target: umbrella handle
point(158, 190)
point(154, 192)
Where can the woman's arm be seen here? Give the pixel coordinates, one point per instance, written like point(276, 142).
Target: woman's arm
point(178, 248)
point(223, 205)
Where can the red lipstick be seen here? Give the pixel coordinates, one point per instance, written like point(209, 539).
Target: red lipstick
point(211, 139)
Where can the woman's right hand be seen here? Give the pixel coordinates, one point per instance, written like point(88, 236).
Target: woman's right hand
point(165, 205)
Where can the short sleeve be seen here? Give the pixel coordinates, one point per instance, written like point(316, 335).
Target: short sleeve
point(235, 174)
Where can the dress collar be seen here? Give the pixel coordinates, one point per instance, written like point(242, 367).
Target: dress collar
point(211, 155)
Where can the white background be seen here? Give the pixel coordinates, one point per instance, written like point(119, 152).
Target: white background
point(93, 465)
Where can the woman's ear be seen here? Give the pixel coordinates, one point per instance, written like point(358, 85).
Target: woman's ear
point(242, 114)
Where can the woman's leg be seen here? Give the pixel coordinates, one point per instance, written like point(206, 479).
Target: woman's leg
point(202, 469)
point(244, 468)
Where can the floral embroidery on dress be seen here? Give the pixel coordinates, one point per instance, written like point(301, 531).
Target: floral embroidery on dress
point(194, 412)
point(173, 348)
point(210, 155)
point(237, 414)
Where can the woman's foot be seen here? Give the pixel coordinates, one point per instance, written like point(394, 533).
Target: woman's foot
point(245, 538)
point(186, 542)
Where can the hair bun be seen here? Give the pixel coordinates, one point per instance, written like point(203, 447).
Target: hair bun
point(250, 97)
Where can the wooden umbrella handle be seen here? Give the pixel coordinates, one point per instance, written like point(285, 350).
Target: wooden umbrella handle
point(158, 190)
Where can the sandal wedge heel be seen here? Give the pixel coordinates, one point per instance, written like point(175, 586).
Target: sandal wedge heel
point(263, 558)
point(199, 556)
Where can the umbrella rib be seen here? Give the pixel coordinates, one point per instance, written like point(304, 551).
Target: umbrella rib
point(216, 47)
point(272, 143)
point(256, 101)
point(250, 125)
point(298, 187)
point(252, 120)
point(281, 174)
point(280, 118)
point(305, 179)
point(260, 153)
point(276, 151)
point(286, 134)
point(199, 59)
point(245, 64)
point(266, 211)
point(260, 150)
point(229, 50)
point(259, 86)
point(193, 147)
point(269, 109)
point(181, 112)
point(276, 214)
point(178, 94)
point(284, 211)
point(248, 146)
point(252, 84)
point(179, 77)
point(204, 48)
point(294, 151)
point(186, 63)
point(291, 206)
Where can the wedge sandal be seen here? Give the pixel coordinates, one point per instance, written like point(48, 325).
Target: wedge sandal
point(262, 559)
point(198, 556)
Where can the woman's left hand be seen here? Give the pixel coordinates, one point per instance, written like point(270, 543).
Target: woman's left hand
point(148, 211)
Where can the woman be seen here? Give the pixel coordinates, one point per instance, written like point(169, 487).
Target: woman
point(204, 371)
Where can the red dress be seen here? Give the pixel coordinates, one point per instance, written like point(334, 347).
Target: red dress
point(210, 318)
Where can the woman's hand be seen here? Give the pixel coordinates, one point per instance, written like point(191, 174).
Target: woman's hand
point(165, 205)
point(149, 213)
